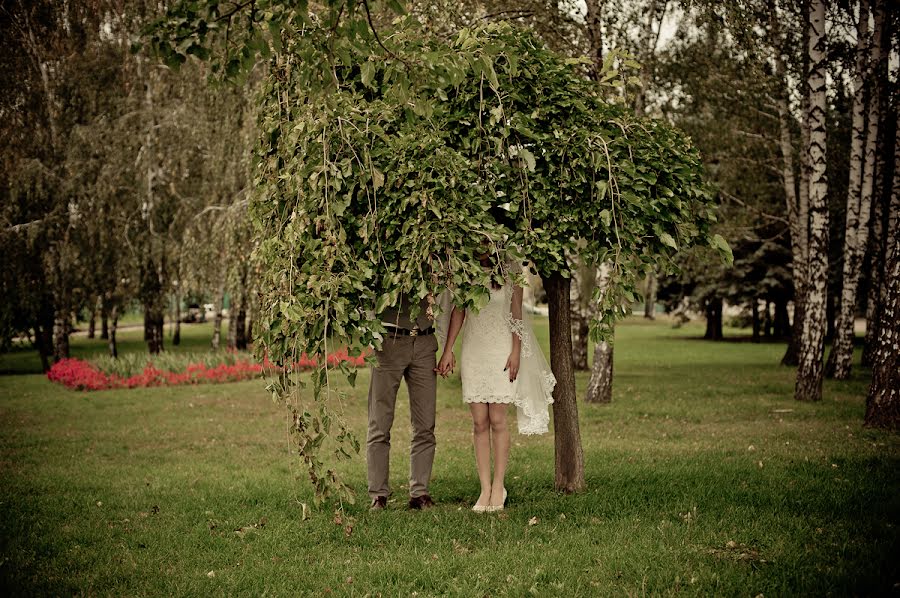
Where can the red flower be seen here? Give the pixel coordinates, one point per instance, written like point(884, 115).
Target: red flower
point(78, 374)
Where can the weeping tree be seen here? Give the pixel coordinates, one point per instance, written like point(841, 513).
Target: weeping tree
point(388, 161)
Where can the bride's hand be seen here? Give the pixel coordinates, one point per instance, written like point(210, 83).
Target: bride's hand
point(512, 366)
point(446, 364)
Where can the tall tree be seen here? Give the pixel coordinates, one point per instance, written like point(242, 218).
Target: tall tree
point(346, 130)
point(883, 400)
point(810, 370)
point(866, 120)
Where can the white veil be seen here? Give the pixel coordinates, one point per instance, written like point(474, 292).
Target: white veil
point(535, 382)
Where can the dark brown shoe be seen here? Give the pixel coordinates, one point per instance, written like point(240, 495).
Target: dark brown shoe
point(421, 502)
point(379, 503)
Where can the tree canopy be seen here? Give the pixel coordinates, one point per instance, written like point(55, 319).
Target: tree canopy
point(389, 170)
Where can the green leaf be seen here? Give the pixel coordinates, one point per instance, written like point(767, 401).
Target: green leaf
point(367, 73)
point(529, 159)
point(718, 242)
point(606, 218)
point(377, 179)
point(667, 239)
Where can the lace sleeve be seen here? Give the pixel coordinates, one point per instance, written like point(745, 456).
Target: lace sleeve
point(517, 327)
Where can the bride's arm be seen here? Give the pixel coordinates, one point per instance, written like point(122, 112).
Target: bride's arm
point(515, 309)
point(447, 362)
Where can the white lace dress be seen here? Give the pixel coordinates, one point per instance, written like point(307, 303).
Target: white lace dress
point(486, 345)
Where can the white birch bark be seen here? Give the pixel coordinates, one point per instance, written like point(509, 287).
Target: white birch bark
point(582, 312)
point(599, 388)
point(883, 400)
point(859, 195)
point(812, 342)
point(880, 199)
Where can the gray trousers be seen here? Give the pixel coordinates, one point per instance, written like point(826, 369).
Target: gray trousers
point(412, 358)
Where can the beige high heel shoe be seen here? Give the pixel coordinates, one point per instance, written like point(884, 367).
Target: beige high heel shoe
point(481, 508)
point(498, 507)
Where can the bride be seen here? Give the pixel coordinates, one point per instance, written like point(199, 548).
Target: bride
point(501, 365)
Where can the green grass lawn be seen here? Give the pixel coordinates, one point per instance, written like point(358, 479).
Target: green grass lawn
point(704, 477)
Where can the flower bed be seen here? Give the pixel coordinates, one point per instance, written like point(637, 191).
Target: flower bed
point(79, 374)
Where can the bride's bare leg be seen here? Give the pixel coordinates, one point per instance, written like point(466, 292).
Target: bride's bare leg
point(481, 433)
point(500, 437)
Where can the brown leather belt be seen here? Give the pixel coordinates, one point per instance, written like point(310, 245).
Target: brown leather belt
point(414, 332)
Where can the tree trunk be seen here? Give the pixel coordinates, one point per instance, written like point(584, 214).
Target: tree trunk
point(714, 319)
point(217, 322)
point(757, 323)
point(812, 342)
point(154, 322)
point(241, 329)
point(650, 297)
point(43, 341)
point(876, 270)
point(792, 353)
point(232, 328)
point(104, 322)
point(881, 198)
point(92, 324)
point(797, 201)
point(767, 320)
point(582, 312)
point(176, 336)
point(114, 325)
point(249, 330)
point(600, 386)
point(859, 196)
point(61, 325)
point(161, 328)
point(782, 325)
point(567, 436)
point(883, 400)
point(594, 30)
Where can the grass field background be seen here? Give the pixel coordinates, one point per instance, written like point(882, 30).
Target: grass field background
point(704, 477)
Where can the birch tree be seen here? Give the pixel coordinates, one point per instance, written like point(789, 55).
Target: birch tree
point(812, 342)
point(866, 119)
point(883, 400)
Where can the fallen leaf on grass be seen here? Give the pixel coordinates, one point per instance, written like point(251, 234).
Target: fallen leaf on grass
point(738, 552)
point(241, 531)
point(458, 548)
point(211, 574)
point(533, 521)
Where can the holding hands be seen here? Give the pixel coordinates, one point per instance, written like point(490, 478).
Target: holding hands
point(447, 364)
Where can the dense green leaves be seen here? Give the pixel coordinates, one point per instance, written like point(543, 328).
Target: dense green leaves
point(385, 167)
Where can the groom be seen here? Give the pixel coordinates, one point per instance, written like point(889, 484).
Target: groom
point(408, 352)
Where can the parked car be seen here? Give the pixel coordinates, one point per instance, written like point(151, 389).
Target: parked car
point(194, 314)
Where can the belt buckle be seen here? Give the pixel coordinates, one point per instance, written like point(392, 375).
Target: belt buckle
point(414, 332)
